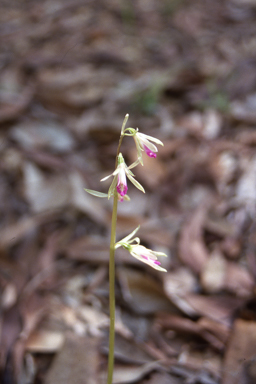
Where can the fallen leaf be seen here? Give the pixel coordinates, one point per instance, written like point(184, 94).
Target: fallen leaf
point(142, 293)
point(45, 193)
point(240, 353)
point(192, 249)
point(73, 364)
point(45, 341)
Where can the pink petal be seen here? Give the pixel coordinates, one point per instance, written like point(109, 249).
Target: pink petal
point(122, 189)
point(121, 183)
point(149, 152)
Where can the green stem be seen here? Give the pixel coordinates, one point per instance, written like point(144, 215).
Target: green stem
point(112, 291)
point(112, 280)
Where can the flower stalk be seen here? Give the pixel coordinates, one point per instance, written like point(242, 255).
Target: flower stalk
point(118, 190)
point(112, 304)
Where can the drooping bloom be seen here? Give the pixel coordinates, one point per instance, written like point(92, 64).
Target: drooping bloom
point(120, 182)
point(140, 252)
point(143, 143)
point(147, 256)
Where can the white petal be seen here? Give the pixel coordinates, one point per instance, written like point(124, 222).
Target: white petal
point(136, 183)
point(96, 193)
point(112, 187)
point(151, 138)
point(130, 236)
point(159, 254)
point(151, 146)
point(107, 177)
point(137, 162)
point(147, 261)
point(139, 152)
point(124, 123)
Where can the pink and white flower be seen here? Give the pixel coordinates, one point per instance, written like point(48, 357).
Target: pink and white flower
point(140, 252)
point(120, 182)
point(143, 143)
point(147, 256)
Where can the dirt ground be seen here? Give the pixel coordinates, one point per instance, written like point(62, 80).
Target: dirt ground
point(185, 71)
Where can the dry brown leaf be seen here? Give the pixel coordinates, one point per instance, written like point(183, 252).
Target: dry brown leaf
point(89, 248)
point(202, 366)
point(207, 125)
point(214, 273)
point(162, 378)
point(219, 226)
point(14, 233)
point(239, 280)
point(129, 352)
point(40, 135)
point(221, 331)
point(10, 331)
point(45, 341)
point(246, 186)
point(12, 110)
point(9, 296)
point(210, 331)
point(240, 354)
point(142, 293)
point(76, 362)
point(95, 319)
point(84, 202)
point(45, 193)
point(131, 374)
point(218, 308)
point(244, 111)
point(179, 282)
point(231, 247)
point(192, 249)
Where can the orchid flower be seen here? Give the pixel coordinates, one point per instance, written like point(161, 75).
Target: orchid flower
point(140, 252)
point(144, 143)
point(120, 182)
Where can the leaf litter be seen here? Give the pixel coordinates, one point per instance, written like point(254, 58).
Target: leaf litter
point(185, 73)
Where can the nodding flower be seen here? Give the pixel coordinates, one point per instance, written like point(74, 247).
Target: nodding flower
point(140, 252)
point(120, 182)
point(147, 256)
point(143, 143)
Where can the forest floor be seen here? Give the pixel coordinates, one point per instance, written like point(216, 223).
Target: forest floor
point(185, 71)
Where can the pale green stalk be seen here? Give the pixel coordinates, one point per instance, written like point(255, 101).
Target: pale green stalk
point(112, 273)
point(112, 291)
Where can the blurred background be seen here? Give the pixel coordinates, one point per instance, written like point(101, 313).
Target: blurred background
point(185, 71)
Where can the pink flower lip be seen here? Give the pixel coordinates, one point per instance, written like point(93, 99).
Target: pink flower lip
point(149, 152)
point(122, 189)
point(149, 259)
point(121, 181)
